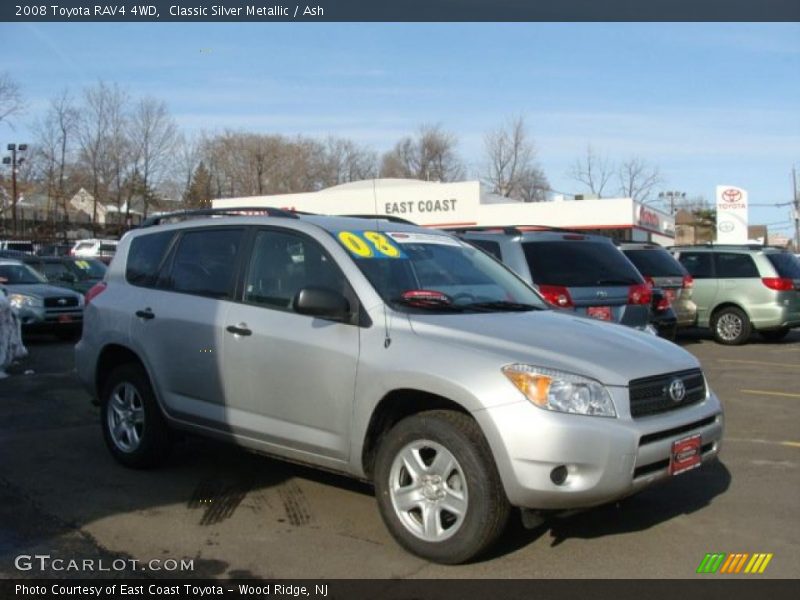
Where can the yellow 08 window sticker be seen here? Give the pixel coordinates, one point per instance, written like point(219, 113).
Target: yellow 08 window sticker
point(369, 244)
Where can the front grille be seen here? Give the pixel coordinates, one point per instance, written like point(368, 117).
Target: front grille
point(651, 395)
point(61, 302)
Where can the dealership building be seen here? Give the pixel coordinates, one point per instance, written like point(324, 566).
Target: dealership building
point(465, 204)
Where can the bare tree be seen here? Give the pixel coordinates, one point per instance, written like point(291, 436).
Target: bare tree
point(118, 146)
point(511, 170)
point(187, 156)
point(11, 101)
point(593, 170)
point(533, 185)
point(55, 138)
point(346, 161)
point(430, 156)
point(637, 179)
point(153, 135)
point(93, 137)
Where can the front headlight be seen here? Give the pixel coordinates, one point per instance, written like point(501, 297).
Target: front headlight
point(20, 300)
point(560, 391)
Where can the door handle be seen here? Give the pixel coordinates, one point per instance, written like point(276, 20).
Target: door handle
point(147, 313)
point(240, 329)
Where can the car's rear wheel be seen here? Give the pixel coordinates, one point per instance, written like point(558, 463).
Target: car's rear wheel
point(134, 429)
point(730, 326)
point(774, 335)
point(438, 489)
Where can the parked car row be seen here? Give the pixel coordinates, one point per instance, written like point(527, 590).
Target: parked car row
point(399, 355)
point(588, 275)
point(88, 248)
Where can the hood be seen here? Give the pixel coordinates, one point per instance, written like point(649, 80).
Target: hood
point(40, 290)
point(612, 354)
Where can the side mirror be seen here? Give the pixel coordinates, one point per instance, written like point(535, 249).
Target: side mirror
point(323, 303)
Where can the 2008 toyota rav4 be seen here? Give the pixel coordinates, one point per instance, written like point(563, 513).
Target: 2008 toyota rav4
point(393, 354)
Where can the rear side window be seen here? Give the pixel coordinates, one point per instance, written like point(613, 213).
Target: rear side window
point(489, 246)
point(205, 262)
point(144, 258)
point(735, 266)
point(786, 265)
point(579, 264)
point(655, 262)
point(698, 264)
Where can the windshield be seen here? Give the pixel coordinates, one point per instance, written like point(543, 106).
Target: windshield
point(579, 264)
point(89, 269)
point(15, 274)
point(55, 271)
point(436, 272)
point(655, 262)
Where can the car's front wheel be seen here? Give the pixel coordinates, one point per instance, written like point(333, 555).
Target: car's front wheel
point(438, 489)
point(730, 326)
point(133, 427)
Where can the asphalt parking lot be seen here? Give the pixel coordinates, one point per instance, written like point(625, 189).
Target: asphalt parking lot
point(236, 514)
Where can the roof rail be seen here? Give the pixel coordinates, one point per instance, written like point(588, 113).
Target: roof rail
point(238, 211)
point(390, 218)
point(739, 246)
point(513, 229)
point(509, 230)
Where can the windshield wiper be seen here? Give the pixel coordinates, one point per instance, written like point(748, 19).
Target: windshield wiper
point(427, 301)
point(503, 305)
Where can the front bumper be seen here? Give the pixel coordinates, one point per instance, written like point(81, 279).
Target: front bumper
point(606, 459)
point(49, 319)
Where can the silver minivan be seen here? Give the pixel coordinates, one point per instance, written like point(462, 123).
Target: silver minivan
point(390, 353)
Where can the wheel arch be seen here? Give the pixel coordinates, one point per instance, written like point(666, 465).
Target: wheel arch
point(724, 305)
point(111, 357)
point(392, 408)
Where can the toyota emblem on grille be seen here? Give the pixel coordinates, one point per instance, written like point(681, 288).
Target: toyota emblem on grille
point(677, 390)
point(62, 301)
point(602, 294)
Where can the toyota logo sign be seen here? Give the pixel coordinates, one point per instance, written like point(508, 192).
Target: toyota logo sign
point(732, 195)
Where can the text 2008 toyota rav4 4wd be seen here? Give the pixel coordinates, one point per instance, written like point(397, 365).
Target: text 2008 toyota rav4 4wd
point(393, 354)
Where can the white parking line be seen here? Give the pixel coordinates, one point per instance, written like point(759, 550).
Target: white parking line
point(768, 393)
point(759, 362)
point(758, 441)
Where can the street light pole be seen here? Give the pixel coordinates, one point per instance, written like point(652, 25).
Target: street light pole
point(671, 196)
point(14, 162)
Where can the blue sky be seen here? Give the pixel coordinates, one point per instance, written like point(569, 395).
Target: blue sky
point(709, 103)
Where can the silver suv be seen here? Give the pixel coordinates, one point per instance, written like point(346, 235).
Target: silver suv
point(741, 289)
point(393, 354)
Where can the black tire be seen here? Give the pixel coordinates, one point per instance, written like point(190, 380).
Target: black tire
point(774, 335)
point(154, 440)
point(730, 326)
point(487, 508)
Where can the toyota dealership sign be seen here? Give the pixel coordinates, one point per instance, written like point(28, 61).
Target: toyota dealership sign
point(731, 215)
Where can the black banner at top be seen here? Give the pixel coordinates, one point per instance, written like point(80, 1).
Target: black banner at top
point(399, 10)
